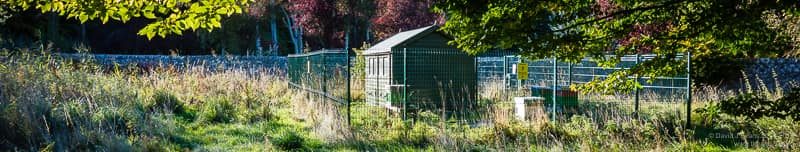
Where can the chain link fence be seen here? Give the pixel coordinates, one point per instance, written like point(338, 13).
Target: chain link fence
point(667, 94)
point(458, 92)
point(322, 72)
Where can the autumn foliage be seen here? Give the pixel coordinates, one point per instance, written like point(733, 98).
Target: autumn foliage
point(400, 15)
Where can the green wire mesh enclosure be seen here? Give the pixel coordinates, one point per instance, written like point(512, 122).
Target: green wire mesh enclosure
point(416, 72)
point(421, 79)
point(321, 72)
point(671, 92)
point(448, 80)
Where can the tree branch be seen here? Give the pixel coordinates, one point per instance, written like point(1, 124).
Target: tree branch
point(622, 12)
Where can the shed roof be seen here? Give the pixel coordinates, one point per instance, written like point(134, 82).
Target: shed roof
point(401, 39)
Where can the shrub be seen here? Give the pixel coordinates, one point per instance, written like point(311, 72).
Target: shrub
point(113, 119)
point(708, 114)
point(788, 105)
point(289, 140)
point(250, 109)
point(782, 134)
point(164, 101)
point(755, 106)
point(713, 68)
point(513, 130)
point(750, 105)
point(218, 110)
point(696, 146)
point(421, 135)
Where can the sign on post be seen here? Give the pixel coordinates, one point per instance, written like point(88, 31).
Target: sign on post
point(522, 71)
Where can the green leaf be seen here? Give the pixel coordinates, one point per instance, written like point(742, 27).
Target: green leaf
point(125, 18)
point(190, 24)
point(162, 33)
point(151, 34)
point(222, 11)
point(177, 31)
point(162, 10)
point(149, 15)
point(149, 8)
point(122, 10)
point(200, 14)
point(238, 10)
point(46, 7)
point(196, 8)
point(83, 18)
point(105, 18)
point(215, 23)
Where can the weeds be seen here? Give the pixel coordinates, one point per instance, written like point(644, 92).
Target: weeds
point(54, 104)
point(51, 103)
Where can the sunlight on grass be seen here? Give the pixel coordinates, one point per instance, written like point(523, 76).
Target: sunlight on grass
point(51, 104)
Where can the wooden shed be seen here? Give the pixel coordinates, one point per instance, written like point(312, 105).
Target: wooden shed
point(419, 70)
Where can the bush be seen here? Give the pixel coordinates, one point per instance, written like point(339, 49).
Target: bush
point(113, 119)
point(696, 146)
point(218, 110)
point(249, 110)
point(714, 68)
point(750, 105)
point(788, 105)
point(289, 141)
point(755, 106)
point(421, 135)
point(166, 102)
point(782, 134)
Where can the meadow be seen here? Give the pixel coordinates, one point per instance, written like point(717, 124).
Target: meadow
point(49, 103)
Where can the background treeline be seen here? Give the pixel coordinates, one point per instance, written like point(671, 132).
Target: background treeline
point(268, 27)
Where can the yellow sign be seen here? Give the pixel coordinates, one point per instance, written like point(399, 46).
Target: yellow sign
point(522, 71)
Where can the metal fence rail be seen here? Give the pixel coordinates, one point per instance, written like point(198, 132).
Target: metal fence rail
point(209, 61)
point(322, 72)
point(463, 89)
point(541, 73)
point(669, 92)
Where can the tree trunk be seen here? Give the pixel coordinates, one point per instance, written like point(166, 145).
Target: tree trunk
point(52, 29)
point(295, 33)
point(347, 39)
point(259, 49)
point(368, 34)
point(83, 34)
point(273, 27)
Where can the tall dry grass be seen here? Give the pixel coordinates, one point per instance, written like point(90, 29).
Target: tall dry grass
point(660, 126)
point(51, 103)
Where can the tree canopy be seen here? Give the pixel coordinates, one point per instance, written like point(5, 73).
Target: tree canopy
point(169, 16)
point(571, 30)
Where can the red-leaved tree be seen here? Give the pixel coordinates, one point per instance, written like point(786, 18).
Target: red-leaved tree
point(394, 16)
point(320, 21)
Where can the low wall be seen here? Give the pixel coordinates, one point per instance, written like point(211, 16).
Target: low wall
point(771, 71)
point(209, 61)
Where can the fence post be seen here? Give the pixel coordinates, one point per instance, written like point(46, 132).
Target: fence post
point(555, 85)
point(324, 72)
point(636, 90)
point(289, 71)
point(688, 89)
point(569, 73)
point(520, 82)
point(405, 83)
point(347, 62)
point(505, 77)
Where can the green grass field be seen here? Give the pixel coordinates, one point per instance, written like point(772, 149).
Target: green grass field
point(51, 104)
